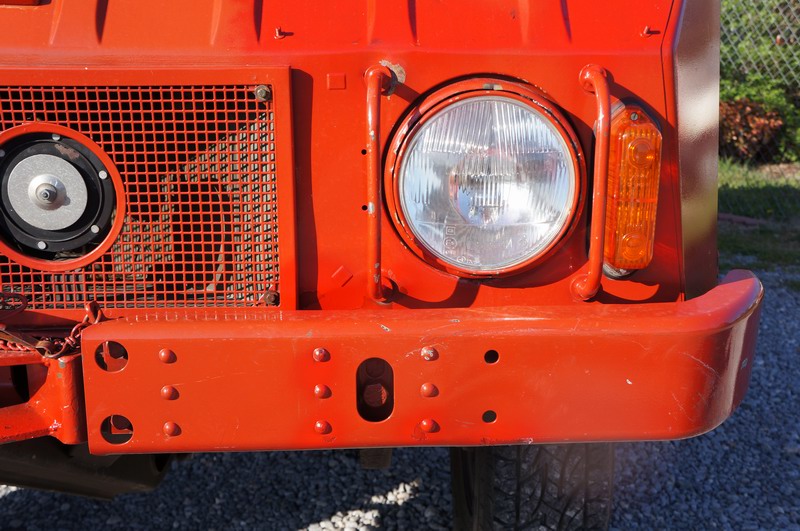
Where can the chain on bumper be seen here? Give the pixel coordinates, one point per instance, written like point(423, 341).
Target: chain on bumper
point(49, 347)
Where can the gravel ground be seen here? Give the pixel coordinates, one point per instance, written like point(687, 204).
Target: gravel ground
point(744, 475)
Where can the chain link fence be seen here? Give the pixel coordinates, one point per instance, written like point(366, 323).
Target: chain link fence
point(760, 110)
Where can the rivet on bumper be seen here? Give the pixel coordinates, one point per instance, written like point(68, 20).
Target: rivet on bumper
point(322, 391)
point(428, 390)
point(322, 427)
point(429, 353)
point(171, 429)
point(169, 392)
point(428, 425)
point(321, 354)
point(167, 356)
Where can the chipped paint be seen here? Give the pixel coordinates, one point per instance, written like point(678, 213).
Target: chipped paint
point(398, 71)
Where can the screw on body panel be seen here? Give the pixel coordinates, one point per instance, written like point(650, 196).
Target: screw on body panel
point(263, 93)
point(270, 298)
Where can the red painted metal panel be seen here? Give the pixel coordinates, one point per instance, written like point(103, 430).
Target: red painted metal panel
point(248, 381)
point(55, 406)
point(691, 82)
point(633, 364)
point(545, 44)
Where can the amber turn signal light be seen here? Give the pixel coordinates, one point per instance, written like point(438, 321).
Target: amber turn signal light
point(634, 168)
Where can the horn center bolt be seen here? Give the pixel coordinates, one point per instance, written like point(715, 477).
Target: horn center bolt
point(46, 193)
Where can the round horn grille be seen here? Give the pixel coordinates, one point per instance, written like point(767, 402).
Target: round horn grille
point(58, 200)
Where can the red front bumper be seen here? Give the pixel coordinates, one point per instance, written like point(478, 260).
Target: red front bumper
point(587, 372)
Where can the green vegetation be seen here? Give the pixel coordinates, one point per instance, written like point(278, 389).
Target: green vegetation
point(760, 88)
point(759, 175)
point(763, 246)
point(772, 236)
point(765, 192)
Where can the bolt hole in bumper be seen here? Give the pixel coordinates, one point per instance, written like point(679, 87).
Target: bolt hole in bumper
point(238, 380)
point(506, 375)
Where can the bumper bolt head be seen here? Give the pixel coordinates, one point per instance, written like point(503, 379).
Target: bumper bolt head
point(169, 392)
point(171, 429)
point(428, 425)
point(375, 395)
point(428, 390)
point(167, 356)
point(322, 427)
point(429, 353)
point(321, 354)
point(322, 391)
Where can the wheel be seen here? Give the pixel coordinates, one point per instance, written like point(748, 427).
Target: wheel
point(560, 487)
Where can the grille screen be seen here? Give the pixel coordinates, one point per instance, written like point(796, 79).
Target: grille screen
point(198, 165)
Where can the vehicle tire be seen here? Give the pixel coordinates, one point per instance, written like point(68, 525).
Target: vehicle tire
point(561, 487)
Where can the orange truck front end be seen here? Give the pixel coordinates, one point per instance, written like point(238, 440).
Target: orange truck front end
point(258, 225)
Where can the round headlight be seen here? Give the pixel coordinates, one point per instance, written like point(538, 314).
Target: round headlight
point(487, 181)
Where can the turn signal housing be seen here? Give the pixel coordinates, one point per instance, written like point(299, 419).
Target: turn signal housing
point(634, 170)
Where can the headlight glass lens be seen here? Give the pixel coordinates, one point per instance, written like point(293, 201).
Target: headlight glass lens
point(487, 183)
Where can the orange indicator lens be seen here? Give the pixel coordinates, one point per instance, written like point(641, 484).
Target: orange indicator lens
point(633, 172)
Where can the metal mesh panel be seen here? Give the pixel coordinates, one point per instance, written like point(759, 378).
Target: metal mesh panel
point(761, 38)
point(760, 109)
point(198, 166)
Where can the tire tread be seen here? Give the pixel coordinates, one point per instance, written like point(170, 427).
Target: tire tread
point(542, 487)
